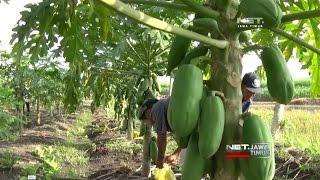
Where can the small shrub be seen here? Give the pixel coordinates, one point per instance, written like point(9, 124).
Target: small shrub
point(7, 160)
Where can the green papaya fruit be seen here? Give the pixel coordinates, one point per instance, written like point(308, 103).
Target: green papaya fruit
point(182, 142)
point(153, 150)
point(184, 104)
point(279, 81)
point(156, 86)
point(154, 76)
point(211, 125)
point(149, 94)
point(202, 61)
point(268, 10)
point(196, 52)
point(209, 168)
point(207, 23)
point(193, 166)
point(244, 37)
point(144, 85)
point(179, 48)
point(256, 131)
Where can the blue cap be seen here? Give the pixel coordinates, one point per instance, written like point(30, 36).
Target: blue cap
point(148, 103)
point(252, 82)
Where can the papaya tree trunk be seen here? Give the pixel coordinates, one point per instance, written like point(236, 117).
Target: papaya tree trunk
point(130, 125)
point(227, 79)
point(58, 107)
point(51, 110)
point(276, 120)
point(130, 129)
point(38, 112)
point(20, 116)
point(146, 152)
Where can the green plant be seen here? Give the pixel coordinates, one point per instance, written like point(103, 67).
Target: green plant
point(122, 145)
point(8, 125)
point(179, 48)
point(7, 160)
point(30, 170)
point(50, 166)
point(63, 160)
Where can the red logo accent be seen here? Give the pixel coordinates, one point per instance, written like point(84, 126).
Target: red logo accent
point(232, 155)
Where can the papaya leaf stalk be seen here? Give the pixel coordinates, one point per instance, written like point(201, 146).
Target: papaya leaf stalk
point(165, 4)
point(161, 25)
point(296, 40)
point(300, 15)
point(251, 48)
point(201, 10)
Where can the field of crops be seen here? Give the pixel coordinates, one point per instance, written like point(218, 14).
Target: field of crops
point(302, 90)
point(299, 135)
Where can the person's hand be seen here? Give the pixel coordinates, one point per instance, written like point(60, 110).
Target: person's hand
point(170, 159)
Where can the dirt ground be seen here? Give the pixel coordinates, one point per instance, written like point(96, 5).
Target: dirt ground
point(103, 164)
point(51, 130)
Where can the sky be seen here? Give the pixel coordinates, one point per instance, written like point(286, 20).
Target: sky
point(9, 15)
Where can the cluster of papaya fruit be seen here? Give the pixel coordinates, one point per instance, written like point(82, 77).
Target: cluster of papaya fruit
point(197, 118)
point(148, 88)
point(197, 115)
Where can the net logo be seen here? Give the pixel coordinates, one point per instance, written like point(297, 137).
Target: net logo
point(250, 22)
point(259, 150)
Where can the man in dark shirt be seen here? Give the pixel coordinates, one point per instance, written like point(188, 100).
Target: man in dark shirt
point(155, 112)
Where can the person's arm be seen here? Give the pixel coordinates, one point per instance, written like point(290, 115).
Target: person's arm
point(162, 144)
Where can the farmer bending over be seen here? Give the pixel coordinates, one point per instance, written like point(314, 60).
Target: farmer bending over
point(155, 113)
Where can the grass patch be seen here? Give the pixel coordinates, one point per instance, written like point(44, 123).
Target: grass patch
point(9, 126)
point(60, 161)
point(123, 145)
point(302, 90)
point(300, 129)
point(7, 160)
point(171, 145)
point(77, 134)
point(68, 160)
point(164, 88)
